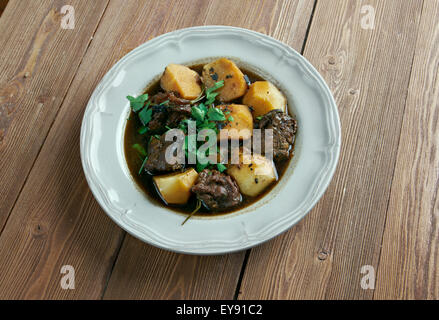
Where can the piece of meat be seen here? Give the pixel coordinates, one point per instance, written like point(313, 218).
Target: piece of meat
point(217, 191)
point(169, 115)
point(284, 131)
point(177, 113)
point(173, 99)
point(158, 119)
point(156, 162)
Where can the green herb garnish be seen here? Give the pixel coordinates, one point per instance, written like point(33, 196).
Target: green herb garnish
point(215, 87)
point(200, 96)
point(198, 206)
point(259, 118)
point(221, 167)
point(210, 94)
point(142, 130)
point(140, 149)
point(137, 103)
point(145, 116)
point(231, 119)
point(198, 112)
point(143, 165)
point(215, 114)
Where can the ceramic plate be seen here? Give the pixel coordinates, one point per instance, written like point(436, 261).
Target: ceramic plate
point(310, 171)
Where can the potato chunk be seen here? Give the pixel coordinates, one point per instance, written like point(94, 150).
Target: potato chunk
point(263, 97)
point(175, 188)
point(181, 79)
point(234, 82)
point(239, 124)
point(254, 173)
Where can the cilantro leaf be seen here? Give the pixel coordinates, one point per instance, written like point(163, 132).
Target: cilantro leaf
point(216, 114)
point(201, 167)
point(145, 116)
point(210, 94)
point(198, 113)
point(221, 167)
point(142, 130)
point(143, 165)
point(231, 119)
point(137, 103)
point(140, 149)
point(216, 86)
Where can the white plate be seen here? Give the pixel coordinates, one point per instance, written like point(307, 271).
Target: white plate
point(316, 156)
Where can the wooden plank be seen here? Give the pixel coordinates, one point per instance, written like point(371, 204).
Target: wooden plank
point(57, 222)
point(144, 272)
point(368, 72)
point(409, 264)
point(38, 60)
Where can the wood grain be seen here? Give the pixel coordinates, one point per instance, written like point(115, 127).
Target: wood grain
point(409, 264)
point(56, 221)
point(368, 72)
point(144, 272)
point(38, 61)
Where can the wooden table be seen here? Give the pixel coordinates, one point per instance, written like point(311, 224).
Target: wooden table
point(381, 209)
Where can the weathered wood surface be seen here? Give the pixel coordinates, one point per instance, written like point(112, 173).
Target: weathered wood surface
point(38, 61)
point(368, 72)
point(409, 264)
point(381, 209)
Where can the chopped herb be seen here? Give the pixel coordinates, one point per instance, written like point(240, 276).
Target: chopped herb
point(157, 136)
point(221, 167)
point(167, 127)
point(231, 119)
point(201, 167)
point(145, 115)
point(142, 130)
point(137, 103)
point(215, 114)
point(143, 165)
point(164, 102)
point(211, 98)
point(200, 96)
point(216, 86)
point(259, 118)
point(210, 94)
point(198, 206)
point(140, 149)
point(198, 112)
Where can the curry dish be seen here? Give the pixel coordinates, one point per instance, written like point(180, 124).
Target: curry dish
point(229, 101)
